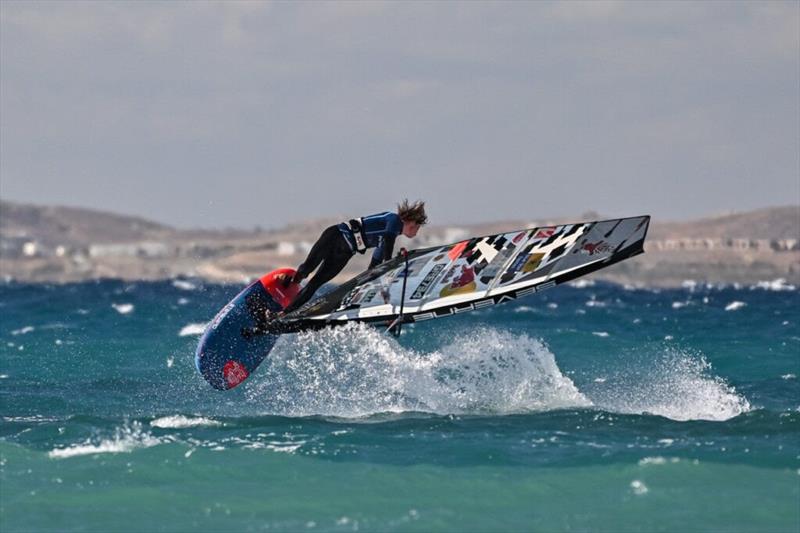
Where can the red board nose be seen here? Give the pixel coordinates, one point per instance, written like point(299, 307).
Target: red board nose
point(278, 284)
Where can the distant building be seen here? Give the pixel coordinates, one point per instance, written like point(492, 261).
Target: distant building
point(286, 248)
point(149, 250)
point(30, 249)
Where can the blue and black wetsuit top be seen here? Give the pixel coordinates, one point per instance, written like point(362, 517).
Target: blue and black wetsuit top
point(378, 231)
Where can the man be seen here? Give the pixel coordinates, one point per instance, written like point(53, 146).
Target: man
point(339, 243)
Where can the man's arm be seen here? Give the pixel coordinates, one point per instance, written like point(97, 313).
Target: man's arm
point(383, 251)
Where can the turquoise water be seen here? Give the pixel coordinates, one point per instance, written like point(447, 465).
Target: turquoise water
point(588, 408)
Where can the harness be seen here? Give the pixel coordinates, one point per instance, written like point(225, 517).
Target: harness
point(357, 229)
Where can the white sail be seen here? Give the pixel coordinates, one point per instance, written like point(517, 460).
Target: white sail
point(476, 273)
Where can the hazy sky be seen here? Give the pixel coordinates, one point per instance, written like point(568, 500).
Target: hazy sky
point(259, 113)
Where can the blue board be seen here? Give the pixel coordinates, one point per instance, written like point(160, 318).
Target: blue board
point(229, 351)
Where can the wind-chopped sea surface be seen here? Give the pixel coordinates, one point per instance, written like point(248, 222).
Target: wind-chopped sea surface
point(590, 407)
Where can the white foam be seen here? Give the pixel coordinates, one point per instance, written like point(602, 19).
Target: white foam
point(355, 371)
point(180, 421)
point(733, 306)
point(788, 376)
point(183, 285)
point(194, 328)
point(125, 439)
point(284, 448)
point(23, 331)
point(678, 305)
point(582, 283)
point(123, 309)
point(600, 333)
point(639, 488)
point(774, 285)
point(673, 384)
point(595, 303)
point(658, 460)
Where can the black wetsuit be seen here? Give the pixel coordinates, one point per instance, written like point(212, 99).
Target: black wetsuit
point(333, 251)
point(337, 245)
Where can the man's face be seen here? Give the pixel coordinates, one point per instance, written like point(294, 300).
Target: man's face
point(410, 228)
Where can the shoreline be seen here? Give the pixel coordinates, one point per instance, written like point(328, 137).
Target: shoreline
point(40, 244)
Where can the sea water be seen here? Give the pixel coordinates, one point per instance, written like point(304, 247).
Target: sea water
point(590, 407)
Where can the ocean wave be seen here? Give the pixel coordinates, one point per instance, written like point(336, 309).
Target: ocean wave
point(777, 285)
point(195, 328)
point(355, 371)
point(123, 309)
point(180, 422)
point(183, 285)
point(125, 439)
point(735, 306)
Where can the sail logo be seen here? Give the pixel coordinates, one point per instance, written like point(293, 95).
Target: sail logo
point(426, 283)
point(545, 233)
point(481, 304)
point(598, 247)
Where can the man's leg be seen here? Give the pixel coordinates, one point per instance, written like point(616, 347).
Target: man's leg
point(321, 249)
point(331, 266)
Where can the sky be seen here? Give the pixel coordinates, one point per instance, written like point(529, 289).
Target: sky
point(243, 114)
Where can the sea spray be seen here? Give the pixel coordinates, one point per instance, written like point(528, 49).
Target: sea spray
point(356, 371)
point(125, 439)
point(671, 382)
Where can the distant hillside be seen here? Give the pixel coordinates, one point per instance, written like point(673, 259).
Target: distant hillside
point(52, 225)
point(73, 226)
point(63, 244)
point(767, 223)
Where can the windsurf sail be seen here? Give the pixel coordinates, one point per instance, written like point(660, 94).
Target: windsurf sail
point(474, 274)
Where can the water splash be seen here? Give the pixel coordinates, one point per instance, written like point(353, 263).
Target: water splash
point(181, 422)
point(673, 383)
point(125, 439)
point(355, 371)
